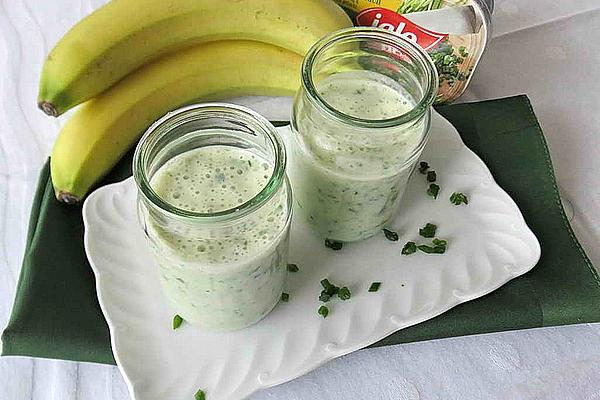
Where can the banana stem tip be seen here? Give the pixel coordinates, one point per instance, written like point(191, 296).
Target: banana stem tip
point(48, 108)
point(67, 198)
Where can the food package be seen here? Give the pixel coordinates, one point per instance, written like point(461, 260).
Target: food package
point(454, 33)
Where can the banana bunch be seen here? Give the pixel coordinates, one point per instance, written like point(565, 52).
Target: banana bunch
point(132, 61)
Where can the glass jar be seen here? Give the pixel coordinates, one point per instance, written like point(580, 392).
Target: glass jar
point(215, 205)
point(361, 120)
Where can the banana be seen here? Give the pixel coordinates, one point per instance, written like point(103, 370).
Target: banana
point(102, 130)
point(126, 34)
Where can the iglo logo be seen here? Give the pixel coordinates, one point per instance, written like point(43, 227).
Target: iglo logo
point(394, 22)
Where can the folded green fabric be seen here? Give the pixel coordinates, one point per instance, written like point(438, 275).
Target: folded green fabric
point(56, 313)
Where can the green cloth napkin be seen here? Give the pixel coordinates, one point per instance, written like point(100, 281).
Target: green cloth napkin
point(56, 313)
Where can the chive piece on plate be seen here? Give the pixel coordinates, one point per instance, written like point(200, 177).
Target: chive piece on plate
point(426, 249)
point(324, 297)
point(440, 242)
point(326, 284)
point(344, 293)
point(439, 247)
point(293, 268)
point(458, 198)
point(428, 231)
point(323, 311)
point(433, 190)
point(285, 297)
point(409, 248)
point(333, 245)
point(374, 287)
point(431, 176)
point(329, 288)
point(177, 321)
point(200, 395)
point(390, 235)
point(423, 167)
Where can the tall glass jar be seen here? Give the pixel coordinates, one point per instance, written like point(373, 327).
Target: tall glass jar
point(215, 205)
point(361, 120)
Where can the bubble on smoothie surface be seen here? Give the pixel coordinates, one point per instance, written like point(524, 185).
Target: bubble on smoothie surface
point(201, 179)
point(217, 178)
point(366, 95)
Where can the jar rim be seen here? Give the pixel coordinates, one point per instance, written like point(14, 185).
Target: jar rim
point(385, 37)
point(195, 112)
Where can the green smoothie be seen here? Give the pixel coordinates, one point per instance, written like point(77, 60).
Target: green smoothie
point(230, 277)
point(348, 180)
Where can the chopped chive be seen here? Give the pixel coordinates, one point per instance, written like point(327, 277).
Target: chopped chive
point(293, 268)
point(428, 231)
point(440, 242)
point(449, 64)
point(324, 297)
point(409, 248)
point(433, 190)
point(177, 321)
point(458, 198)
point(423, 167)
point(374, 286)
point(390, 235)
point(429, 249)
point(431, 176)
point(200, 395)
point(439, 247)
point(326, 284)
point(330, 290)
point(285, 297)
point(344, 293)
point(333, 245)
point(323, 311)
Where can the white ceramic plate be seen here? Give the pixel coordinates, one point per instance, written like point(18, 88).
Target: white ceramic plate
point(489, 244)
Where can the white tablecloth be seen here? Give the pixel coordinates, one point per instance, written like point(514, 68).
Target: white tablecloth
point(547, 49)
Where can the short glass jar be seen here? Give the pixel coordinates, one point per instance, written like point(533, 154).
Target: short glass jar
point(361, 120)
point(215, 205)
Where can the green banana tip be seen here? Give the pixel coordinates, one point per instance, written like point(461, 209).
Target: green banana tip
point(67, 198)
point(48, 108)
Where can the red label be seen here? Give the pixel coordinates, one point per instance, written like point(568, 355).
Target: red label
point(394, 22)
